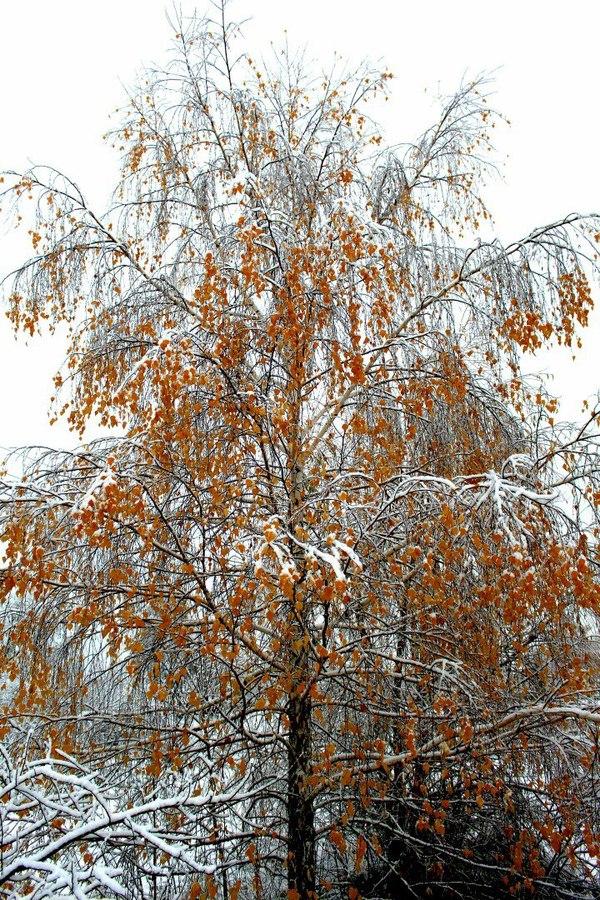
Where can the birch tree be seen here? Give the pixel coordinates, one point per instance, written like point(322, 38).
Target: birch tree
point(315, 620)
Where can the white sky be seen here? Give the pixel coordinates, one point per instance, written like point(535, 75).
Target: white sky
point(63, 64)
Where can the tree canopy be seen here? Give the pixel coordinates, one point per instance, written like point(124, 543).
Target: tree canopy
point(316, 620)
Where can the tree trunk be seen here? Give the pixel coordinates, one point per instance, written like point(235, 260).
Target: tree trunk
point(300, 808)
point(301, 824)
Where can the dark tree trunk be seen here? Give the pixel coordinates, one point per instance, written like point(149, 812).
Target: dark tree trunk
point(301, 824)
point(300, 803)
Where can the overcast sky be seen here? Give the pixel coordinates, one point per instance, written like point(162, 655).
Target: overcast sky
point(63, 66)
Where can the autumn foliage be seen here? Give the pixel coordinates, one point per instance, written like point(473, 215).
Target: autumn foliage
point(316, 618)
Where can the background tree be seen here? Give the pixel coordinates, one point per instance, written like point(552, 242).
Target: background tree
point(315, 621)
